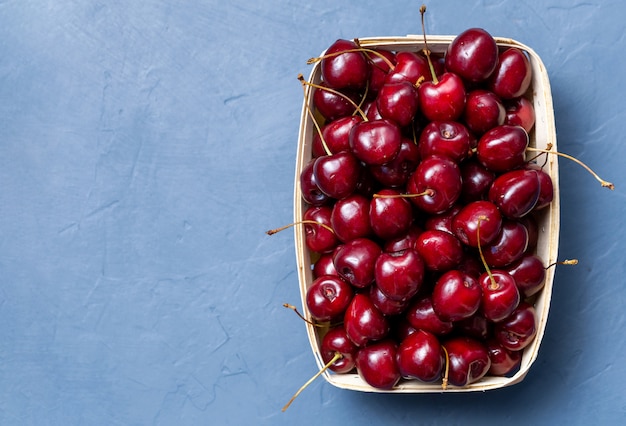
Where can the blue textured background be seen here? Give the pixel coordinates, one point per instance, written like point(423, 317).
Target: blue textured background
point(145, 147)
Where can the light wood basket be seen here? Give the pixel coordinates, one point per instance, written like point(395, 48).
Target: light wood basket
point(542, 136)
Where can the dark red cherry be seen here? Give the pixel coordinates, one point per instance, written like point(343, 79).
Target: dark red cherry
point(375, 142)
point(513, 74)
point(385, 304)
point(439, 180)
point(377, 366)
point(337, 175)
point(318, 238)
point(398, 102)
point(355, 261)
point(336, 340)
point(473, 55)
point(379, 68)
point(311, 193)
point(420, 356)
point(520, 112)
point(440, 250)
point(503, 148)
point(476, 326)
point(503, 361)
point(500, 295)
point(442, 100)
point(328, 297)
point(324, 265)
point(350, 218)
point(403, 242)
point(445, 138)
point(477, 213)
point(390, 215)
point(483, 111)
point(442, 221)
point(477, 180)
point(468, 360)
point(509, 246)
point(336, 135)
point(346, 70)
point(363, 322)
point(515, 192)
point(519, 329)
point(421, 315)
point(332, 105)
point(409, 67)
point(546, 191)
point(396, 172)
point(456, 295)
point(529, 274)
point(399, 275)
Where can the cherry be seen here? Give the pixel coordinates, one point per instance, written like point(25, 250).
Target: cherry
point(443, 98)
point(473, 55)
point(438, 180)
point(446, 138)
point(520, 112)
point(398, 102)
point(477, 180)
point(328, 297)
point(409, 67)
point(336, 341)
point(399, 275)
point(403, 242)
point(503, 360)
point(519, 329)
point(513, 74)
point(390, 217)
point(456, 295)
point(468, 360)
point(377, 366)
point(420, 356)
point(529, 274)
point(376, 141)
point(546, 191)
point(381, 63)
point(503, 148)
point(311, 193)
point(476, 326)
point(336, 135)
point(483, 111)
point(363, 322)
point(324, 265)
point(332, 104)
point(421, 315)
point(337, 175)
point(516, 192)
point(477, 213)
point(349, 69)
point(319, 238)
point(440, 250)
point(508, 246)
point(385, 304)
point(355, 261)
point(396, 173)
point(500, 295)
point(442, 221)
point(350, 218)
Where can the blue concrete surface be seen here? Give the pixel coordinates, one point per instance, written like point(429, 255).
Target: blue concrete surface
point(145, 147)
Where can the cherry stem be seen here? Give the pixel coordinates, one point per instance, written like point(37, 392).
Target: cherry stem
point(336, 92)
point(358, 49)
point(301, 222)
point(494, 285)
point(334, 359)
point(426, 49)
point(429, 192)
point(567, 262)
point(446, 373)
point(293, 308)
point(317, 126)
point(603, 182)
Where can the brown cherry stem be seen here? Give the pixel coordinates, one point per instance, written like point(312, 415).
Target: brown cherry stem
point(336, 92)
point(426, 50)
point(494, 285)
point(301, 222)
point(428, 192)
point(334, 359)
point(603, 182)
point(446, 373)
point(567, 262)
point(315, 123)
point(293, 308)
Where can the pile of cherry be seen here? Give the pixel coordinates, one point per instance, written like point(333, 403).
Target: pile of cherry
point(422, 199)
